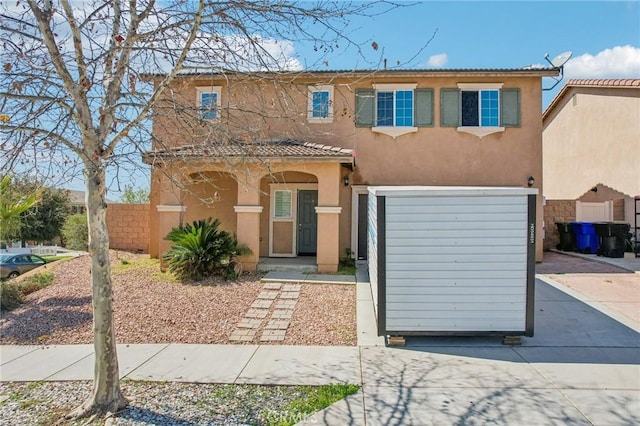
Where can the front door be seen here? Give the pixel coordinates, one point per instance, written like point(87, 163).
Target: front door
point(307, 222)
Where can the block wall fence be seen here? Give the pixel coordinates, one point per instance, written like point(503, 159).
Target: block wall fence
point(128, 226)
point(129, 223)
point(556, 211)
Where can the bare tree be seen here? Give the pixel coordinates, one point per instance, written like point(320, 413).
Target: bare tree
point(81, 80)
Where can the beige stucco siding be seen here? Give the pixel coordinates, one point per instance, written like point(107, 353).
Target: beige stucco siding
point(593, 137)
point(434, 155)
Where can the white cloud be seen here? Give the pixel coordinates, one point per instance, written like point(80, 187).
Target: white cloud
point(438, 61)
point(617, 62)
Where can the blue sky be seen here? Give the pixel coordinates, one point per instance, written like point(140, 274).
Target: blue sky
point(603, 35)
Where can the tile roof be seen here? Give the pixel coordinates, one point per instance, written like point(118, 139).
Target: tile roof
point(266, 149)
point(619, 83)
point(218, 72)
point(605, 82)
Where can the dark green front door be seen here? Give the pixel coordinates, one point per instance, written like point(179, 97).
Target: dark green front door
point(307, 222)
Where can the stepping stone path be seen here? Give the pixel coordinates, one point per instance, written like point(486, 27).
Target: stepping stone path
point(277, 320)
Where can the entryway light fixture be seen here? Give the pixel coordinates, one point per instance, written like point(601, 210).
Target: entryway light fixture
point(345, 180)
point(530, 181)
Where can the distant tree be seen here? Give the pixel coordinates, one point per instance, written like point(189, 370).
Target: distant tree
point(13, 204)
point(134, 196)
point(43, 222)
point(76, 82)
point(76, 232)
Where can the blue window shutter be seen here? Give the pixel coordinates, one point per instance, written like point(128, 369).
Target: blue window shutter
point(365, 107)
point(423, 107)
point(449, 107)
point(510, 107)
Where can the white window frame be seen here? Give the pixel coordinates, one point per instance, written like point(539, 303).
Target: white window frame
point(480, 131)
point(273, 211)
point(200, 90)
point(311, 91)
point(394, 131)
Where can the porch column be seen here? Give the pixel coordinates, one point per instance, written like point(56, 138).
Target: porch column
point(328, 244)
point(168, 218)
point(248, 233)
point(248, 215)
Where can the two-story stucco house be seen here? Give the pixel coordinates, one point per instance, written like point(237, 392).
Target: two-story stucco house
point(284, 160)
point(591, 146)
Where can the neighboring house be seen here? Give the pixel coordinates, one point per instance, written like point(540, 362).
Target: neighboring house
point(289, 161)
point(591, 153)
point(76, 199)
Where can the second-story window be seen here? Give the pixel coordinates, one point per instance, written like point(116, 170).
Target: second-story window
point(208, 101)
point(320, 108)
point(394, 108)
point(480, 108)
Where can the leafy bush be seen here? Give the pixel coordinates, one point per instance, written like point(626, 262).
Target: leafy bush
point(201, 250)
point(13, 291)
point(10, 295)
point(76, 232)
point(35, 282)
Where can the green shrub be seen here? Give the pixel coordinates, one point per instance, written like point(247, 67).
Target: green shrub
point(200, 250)
point(35, 282)
point(14, 291)
point(76, 232)
point(10, 295)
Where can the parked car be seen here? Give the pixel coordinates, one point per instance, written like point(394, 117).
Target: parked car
point(12, 265)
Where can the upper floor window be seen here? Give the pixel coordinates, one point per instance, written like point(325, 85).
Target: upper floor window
point(209, 102)
point(320, 108)
point(480, 108)
point(394, 109)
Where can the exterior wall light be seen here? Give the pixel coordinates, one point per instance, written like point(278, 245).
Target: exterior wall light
point(345, 180)
point(530, 181)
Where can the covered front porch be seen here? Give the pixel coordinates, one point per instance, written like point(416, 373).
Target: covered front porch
point(283, 201)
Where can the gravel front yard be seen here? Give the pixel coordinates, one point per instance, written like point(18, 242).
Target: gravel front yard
point(151, 308)
point(46, 403)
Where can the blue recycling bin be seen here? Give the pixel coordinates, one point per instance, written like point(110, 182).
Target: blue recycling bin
point(587, 240)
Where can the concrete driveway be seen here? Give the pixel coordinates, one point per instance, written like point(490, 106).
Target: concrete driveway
point(581, 367)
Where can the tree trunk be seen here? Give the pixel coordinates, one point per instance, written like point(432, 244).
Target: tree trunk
point(106, 396)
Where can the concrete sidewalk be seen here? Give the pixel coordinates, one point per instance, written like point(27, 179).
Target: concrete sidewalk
point(582, 367)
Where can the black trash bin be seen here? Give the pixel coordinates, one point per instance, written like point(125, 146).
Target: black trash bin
point(612, 238)
point(567, 239)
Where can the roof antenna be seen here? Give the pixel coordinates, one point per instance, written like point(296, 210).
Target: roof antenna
point(384, 61)
point(558, 62)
